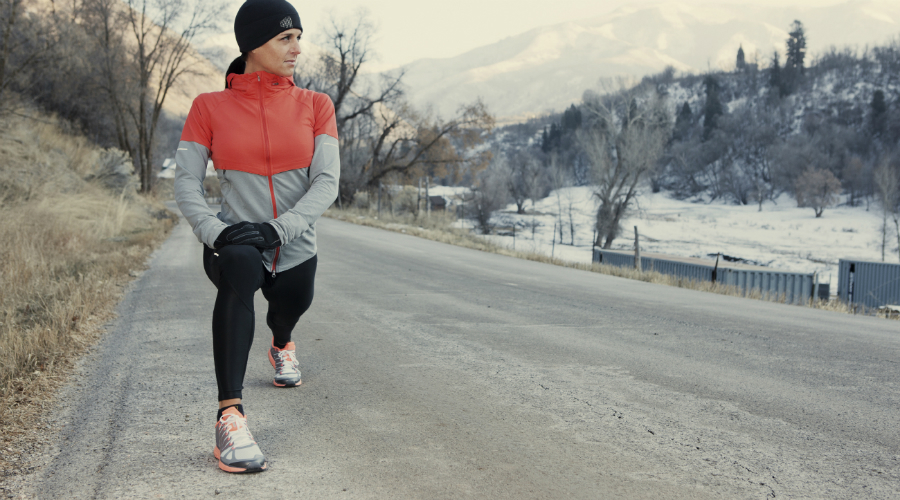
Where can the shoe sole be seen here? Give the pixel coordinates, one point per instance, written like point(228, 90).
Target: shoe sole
point(276, 384)
point(237, 470)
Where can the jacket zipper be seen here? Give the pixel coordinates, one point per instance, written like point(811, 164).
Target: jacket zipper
point(262, 111)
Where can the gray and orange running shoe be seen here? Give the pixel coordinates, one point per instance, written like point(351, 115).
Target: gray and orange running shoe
point(236, 449)
point(287, 368)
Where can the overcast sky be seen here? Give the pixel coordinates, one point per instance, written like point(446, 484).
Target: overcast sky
point(415, 29)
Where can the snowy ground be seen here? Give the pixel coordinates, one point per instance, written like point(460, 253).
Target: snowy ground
point(782, 236)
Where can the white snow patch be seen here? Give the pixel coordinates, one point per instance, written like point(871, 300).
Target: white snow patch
point(782, 236)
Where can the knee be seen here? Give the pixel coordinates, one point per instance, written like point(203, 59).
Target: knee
point(239, 263)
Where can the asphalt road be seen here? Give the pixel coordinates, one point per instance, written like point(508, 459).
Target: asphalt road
point(433, 371)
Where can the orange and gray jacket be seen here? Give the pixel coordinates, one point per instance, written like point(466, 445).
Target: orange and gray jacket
point(275, 150)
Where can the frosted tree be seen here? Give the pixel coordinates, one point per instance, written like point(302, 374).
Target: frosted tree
point(623, 142)
point(817, 189)
point(887, 188)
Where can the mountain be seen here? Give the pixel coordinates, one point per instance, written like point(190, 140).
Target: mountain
point(548, 68)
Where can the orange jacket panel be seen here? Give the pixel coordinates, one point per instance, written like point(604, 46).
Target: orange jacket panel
point(260, 112)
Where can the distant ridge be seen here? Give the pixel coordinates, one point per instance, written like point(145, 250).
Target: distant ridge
point(547, 68)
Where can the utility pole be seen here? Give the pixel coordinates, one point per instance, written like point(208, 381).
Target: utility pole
point(637, 250)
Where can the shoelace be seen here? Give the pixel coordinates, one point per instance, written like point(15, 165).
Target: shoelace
point(238, 432)
point(287, 360)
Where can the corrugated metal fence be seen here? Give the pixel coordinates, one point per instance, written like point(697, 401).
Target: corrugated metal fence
point(795, 288)
point(871, 284)
point(697, 272)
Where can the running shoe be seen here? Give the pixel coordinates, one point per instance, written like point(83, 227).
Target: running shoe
point(236, 449)
point(287, 368)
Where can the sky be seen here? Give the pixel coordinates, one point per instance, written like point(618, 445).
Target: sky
point(414, 29)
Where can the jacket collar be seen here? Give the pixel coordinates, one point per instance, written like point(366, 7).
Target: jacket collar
point(249, 84)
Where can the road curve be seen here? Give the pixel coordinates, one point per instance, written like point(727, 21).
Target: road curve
point(433, 371)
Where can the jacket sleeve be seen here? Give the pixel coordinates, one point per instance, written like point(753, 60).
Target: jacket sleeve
point(190, 159)
point(324, 176)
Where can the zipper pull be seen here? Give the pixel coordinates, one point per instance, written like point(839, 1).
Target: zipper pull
point(257, 78)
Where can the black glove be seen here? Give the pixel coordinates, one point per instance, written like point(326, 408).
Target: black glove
point(259, 234)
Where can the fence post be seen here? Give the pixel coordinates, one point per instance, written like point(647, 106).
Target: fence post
point(553, 248)
point(815, 294)
point(380, 186)
point(715, 271)
point(637, 250)
point(419, 197)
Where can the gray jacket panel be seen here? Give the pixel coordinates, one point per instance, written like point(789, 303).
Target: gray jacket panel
point(301, 195)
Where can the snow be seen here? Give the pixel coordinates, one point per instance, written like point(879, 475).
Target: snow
point(548, 68)
point(782, 236)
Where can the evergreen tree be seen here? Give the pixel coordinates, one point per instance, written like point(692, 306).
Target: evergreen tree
point(683, 123)
point(879, 113)
point(551, 140)
point(741, 62)
point(776, 76)
point(793, 70)
point(796, 49)
point(571, 119)
point(713, 108)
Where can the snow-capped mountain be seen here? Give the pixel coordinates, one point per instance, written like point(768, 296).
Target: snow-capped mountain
point(550, 67)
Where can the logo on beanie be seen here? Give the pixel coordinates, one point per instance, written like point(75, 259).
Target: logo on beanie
point(287, 23)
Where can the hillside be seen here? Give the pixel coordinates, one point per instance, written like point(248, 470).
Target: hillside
point(76, 233)
point(548, 68)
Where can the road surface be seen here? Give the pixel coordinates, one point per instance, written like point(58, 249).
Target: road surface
point(433, 371)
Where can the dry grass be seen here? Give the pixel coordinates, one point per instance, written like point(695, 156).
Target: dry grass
point(68, 248)
point(439, 228)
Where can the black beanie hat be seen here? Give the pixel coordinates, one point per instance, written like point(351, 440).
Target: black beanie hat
point(258, 21)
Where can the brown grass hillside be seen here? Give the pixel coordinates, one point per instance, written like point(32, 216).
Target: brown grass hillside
point(73, 233)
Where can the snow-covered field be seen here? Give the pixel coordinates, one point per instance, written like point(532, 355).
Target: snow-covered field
point(782, 236)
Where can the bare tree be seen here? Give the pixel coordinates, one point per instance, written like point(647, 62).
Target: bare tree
point(527, 178)
point(23, 44)
point(817, 189)
point(381, 135)
point(416, 146)
point(147, 49)
point(887, 188)
point(488, 195)
point(561, 181)
point(624, 141)
point(348, 43)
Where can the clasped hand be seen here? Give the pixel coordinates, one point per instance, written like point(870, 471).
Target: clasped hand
point(261, 235)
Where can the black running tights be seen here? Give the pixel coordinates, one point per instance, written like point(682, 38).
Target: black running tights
point(237, 271)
